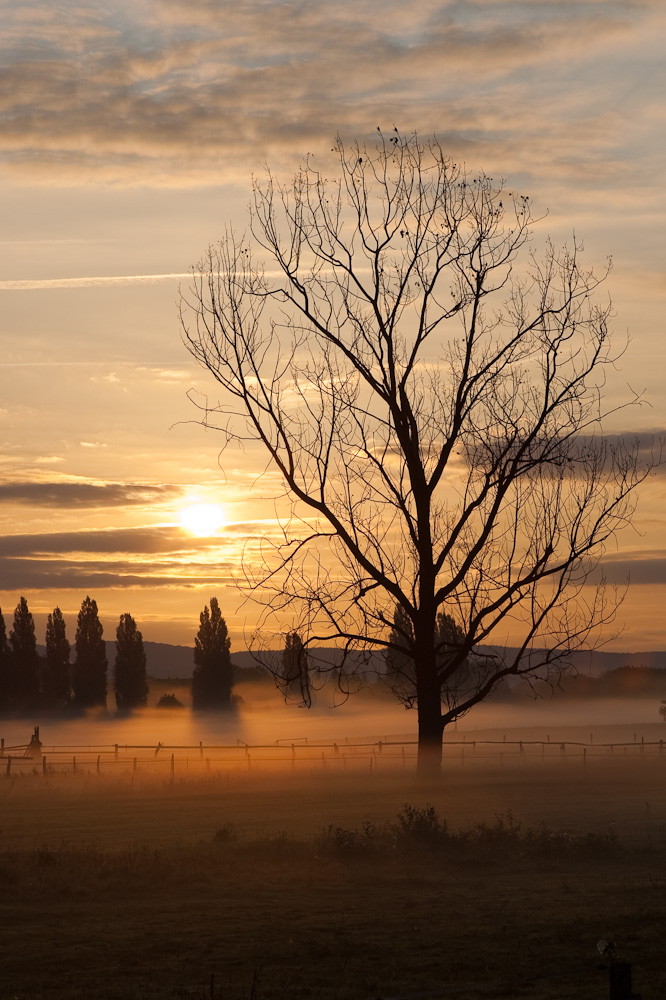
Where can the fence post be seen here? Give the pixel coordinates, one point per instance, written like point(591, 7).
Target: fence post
point(98, 757)
point(620, 981)
point(73, 765)
point(380, 745)
point(9, 764)
point(134, 767)
point(200, 749)
point(44, 766)
point(115, 751)
point(173, 766)
point(2, 748)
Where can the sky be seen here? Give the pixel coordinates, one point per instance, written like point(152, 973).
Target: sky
point(129, 134)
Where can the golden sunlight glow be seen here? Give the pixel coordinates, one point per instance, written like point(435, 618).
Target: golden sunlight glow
point(202, 519)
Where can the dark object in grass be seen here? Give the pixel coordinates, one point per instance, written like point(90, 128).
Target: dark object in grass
point(169, 701)
point(225, 833)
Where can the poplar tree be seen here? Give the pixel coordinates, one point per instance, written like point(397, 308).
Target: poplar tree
point(212, 675)
point(130, 681)
point(400, 664)
point(90, 664)
point(25, 659)
point(294, 673)
point(6, 674)
point(56, 674)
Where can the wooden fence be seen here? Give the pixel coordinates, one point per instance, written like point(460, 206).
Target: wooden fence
point(389, 753)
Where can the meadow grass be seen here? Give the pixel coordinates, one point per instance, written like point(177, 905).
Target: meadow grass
point(280, 887)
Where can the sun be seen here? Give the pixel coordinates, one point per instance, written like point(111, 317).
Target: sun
point(202, 519)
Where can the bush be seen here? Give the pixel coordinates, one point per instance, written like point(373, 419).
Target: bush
point(419, 827)
point(348, 840)
point(224, 834)
point(169, 701)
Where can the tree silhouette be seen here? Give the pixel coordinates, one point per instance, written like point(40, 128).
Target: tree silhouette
point(130, 681)
point(56, 682)
point(25, 660)
point(431, 401)
point(212, 676)
point(90, 663)
point(6, 672)
point(400, 664)
point(294, 673)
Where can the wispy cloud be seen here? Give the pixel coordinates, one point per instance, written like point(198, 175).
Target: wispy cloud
point(32, 284)
point(182, 93)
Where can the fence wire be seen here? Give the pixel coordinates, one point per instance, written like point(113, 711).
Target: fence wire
point(378, 754)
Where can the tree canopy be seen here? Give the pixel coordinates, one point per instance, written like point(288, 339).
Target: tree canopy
point(56, 681)
point(90, 663)
point(25, 660)
point(130, 681)
point(212, 676)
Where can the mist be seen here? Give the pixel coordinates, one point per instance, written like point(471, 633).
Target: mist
point(262, 718)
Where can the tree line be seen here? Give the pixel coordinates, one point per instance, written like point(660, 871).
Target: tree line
point(54, 682)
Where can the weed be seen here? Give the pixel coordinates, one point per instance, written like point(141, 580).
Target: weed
point(419, 828)
point(345, 840)
point(226, 833)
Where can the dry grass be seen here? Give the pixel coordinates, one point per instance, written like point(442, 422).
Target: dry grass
point(273, 885)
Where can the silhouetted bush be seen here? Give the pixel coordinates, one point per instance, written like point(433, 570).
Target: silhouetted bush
point(419, 828)
point(169, 701)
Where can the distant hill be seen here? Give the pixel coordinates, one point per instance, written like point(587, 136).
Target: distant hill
point(166, 660)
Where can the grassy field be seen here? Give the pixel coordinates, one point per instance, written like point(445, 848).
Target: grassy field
point(279, 886)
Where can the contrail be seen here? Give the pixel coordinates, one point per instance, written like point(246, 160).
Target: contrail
point(31, 284)
point(22, 285)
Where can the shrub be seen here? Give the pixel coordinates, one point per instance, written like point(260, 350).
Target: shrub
point(419, 827)
point(348, 840)
point(169, 701)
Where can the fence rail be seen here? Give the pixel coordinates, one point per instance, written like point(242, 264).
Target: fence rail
point(382, 754)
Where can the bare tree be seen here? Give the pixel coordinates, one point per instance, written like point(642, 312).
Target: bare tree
point(432, 400)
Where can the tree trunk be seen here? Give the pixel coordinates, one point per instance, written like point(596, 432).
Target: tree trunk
point(431, 724)
point(429, 759)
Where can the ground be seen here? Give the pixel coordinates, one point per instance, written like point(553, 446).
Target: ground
point(268, 886)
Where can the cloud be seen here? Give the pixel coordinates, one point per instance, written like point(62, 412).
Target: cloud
point(182, 93)
point(23, 575)
point(88, 494)
point(138, 541)
point(644, 568)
